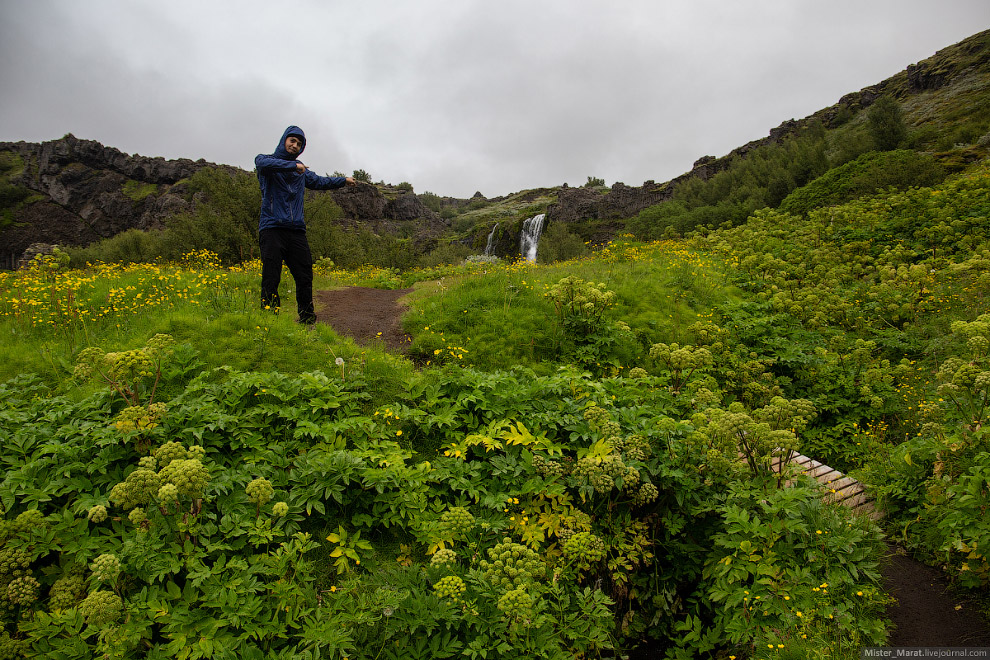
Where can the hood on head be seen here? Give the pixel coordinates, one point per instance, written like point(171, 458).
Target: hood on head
point(280, 151)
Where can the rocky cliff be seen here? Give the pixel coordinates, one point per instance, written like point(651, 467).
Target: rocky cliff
point(79, 191)
point(390, 210)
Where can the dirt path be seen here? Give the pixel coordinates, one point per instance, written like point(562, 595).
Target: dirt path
point(362, 313)
point(925, 614)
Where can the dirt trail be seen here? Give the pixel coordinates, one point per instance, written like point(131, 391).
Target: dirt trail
point(925, 614)
point(362, 313)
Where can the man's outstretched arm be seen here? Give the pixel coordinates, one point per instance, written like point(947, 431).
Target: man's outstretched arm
point(317, 182)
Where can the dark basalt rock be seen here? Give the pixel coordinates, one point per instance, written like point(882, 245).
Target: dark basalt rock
point(81, 185)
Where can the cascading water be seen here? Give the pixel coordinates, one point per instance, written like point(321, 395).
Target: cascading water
point(529, 238)
point(490, 246)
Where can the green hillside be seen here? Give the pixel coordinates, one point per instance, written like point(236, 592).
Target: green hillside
point(912, 129)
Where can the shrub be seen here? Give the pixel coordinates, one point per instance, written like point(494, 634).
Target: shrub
point(557, 243)
point(866, 175)
point(886, 124)
point(445, 253)
point(431, 201)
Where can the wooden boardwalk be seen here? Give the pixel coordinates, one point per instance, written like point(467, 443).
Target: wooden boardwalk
point(839, 488)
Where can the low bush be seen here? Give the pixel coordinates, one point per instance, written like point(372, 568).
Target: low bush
point(868, 174)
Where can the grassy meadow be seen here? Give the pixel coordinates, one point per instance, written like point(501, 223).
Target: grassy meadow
point(572, 461)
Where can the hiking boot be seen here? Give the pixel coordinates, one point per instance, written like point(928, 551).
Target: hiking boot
point(308, 319)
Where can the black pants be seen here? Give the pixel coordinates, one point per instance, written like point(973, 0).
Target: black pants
point(290, 246)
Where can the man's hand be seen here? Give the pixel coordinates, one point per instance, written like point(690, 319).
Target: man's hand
point(300, 167)
point(349, 180)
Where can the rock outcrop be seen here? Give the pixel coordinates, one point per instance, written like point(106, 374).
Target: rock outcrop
point(55, 155)
point(389, 210)
point(361, 203)
point(407, 206)
point(370, 203)
point(621, 201)
point(84, 191)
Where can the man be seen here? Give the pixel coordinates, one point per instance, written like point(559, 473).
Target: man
point(282, 230)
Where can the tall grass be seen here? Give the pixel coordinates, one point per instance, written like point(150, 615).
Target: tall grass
point(49, 315)
point(505, 318)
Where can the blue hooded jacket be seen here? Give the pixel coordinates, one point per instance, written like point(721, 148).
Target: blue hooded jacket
point(283, 187)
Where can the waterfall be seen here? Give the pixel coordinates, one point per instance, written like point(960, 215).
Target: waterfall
point(490, 246)
point(529, 239)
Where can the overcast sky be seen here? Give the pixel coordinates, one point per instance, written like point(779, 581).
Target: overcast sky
point(453, 96)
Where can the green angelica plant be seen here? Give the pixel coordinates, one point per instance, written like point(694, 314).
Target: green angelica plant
point(106, 568)
point(584, 549)
point(444, 558)
point(48, 266)
point(101, 608)
point(611, 463)
point(964, 382)
point(761, 436)
point(128, 372)
point(260, 492)
point(453, 525)
point(517, 605)
point(962, 526)
point(348, 548)
point(786, 564)
point(948, 462)
point(681, 362)
point(588, 336)
point(23, 590)
point(181, 477)
point(140, 418)
point(450, 586)
point(67, 591)
point(512, 565)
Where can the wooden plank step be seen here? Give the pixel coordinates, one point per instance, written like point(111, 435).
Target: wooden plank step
point(839, 488)
point(865, 508)
point(821, 472)
point(803, 463)
point(840, 484)
point(870, 511)
point(778, 461)
point(830, 478)
point(858, 500)
point(851, 490)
